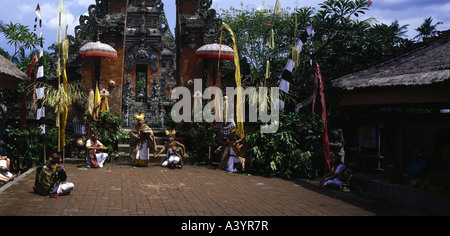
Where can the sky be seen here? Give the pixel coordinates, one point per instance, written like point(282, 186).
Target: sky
point(407, 12)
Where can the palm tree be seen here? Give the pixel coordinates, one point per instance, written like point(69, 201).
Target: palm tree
point(427, 30)
point(400, 31)
point(2, 26)
point(20, 37)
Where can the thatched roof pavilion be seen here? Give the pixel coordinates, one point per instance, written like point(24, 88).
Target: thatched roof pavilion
point(396, 108)
point(421, 75)
point(10, 75)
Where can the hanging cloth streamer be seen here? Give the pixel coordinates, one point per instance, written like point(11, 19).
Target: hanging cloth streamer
point(237, 75)
point(97, 103)
point(65, 56)
point(326, 146)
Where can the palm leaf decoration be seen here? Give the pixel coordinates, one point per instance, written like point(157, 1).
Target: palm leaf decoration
point(58, 98)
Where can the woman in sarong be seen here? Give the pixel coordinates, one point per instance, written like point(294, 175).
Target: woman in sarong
point(95, 156)
point(175, 151)
point(141, 140)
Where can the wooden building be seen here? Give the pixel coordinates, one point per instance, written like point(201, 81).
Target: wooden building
point(397, 109)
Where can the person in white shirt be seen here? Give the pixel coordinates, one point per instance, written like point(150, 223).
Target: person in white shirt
point(96, 158)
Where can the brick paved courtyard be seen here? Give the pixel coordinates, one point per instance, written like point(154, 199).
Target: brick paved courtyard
point(121, 190)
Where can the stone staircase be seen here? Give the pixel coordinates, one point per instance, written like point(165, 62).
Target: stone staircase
point(124, 147)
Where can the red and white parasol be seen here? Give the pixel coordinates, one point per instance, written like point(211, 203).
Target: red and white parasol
point(213, 51)
point(97, 49)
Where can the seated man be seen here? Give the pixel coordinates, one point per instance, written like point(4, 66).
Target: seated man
point(51, 179)
point(417, 167)
point(5, 175)
point(331, 179)
point(95, 158)
point(60, 186)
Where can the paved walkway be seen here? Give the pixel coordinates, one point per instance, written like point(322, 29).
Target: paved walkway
point(121, 190)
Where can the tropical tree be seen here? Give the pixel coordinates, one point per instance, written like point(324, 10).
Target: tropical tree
point(341, 42)
point(399, 30)
point(21, 38)
point(427, 29)
point(2, 26)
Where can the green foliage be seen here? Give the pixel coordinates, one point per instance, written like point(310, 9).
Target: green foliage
point(341, 42)
point(427, 29)
point(168, 121)
point(29, 143)
point(109, 130)
point(203, 139)
point(20, 37)
point(295, 150)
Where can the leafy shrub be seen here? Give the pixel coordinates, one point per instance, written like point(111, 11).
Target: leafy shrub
point(109, 128)
point(29, 143)
point(295, 150)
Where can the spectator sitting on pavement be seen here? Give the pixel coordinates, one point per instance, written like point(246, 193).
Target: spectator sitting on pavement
point(60, 187)
point(331, 179)
point(5, 175)
point(55, 184)
point(417, 167)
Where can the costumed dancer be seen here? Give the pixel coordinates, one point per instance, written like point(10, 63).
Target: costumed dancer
point(141, 139)
point(233, 153)
point(95, 158)
point(175, 151)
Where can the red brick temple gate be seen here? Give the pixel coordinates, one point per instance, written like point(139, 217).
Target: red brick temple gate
point(151, 62)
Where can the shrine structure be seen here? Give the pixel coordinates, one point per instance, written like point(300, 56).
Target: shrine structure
point(151, 62)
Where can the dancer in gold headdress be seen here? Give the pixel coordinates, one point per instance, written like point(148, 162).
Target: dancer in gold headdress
point(141, 140)
point(175, 151)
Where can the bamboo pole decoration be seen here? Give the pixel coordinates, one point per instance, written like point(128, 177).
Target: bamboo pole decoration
point(237, 75)
point(123, 51)
point(59, 73)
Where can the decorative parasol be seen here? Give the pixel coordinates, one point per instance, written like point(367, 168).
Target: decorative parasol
point(97, 49)
point(215, 51)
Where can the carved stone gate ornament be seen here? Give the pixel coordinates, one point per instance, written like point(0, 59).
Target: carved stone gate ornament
point(139, 52)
